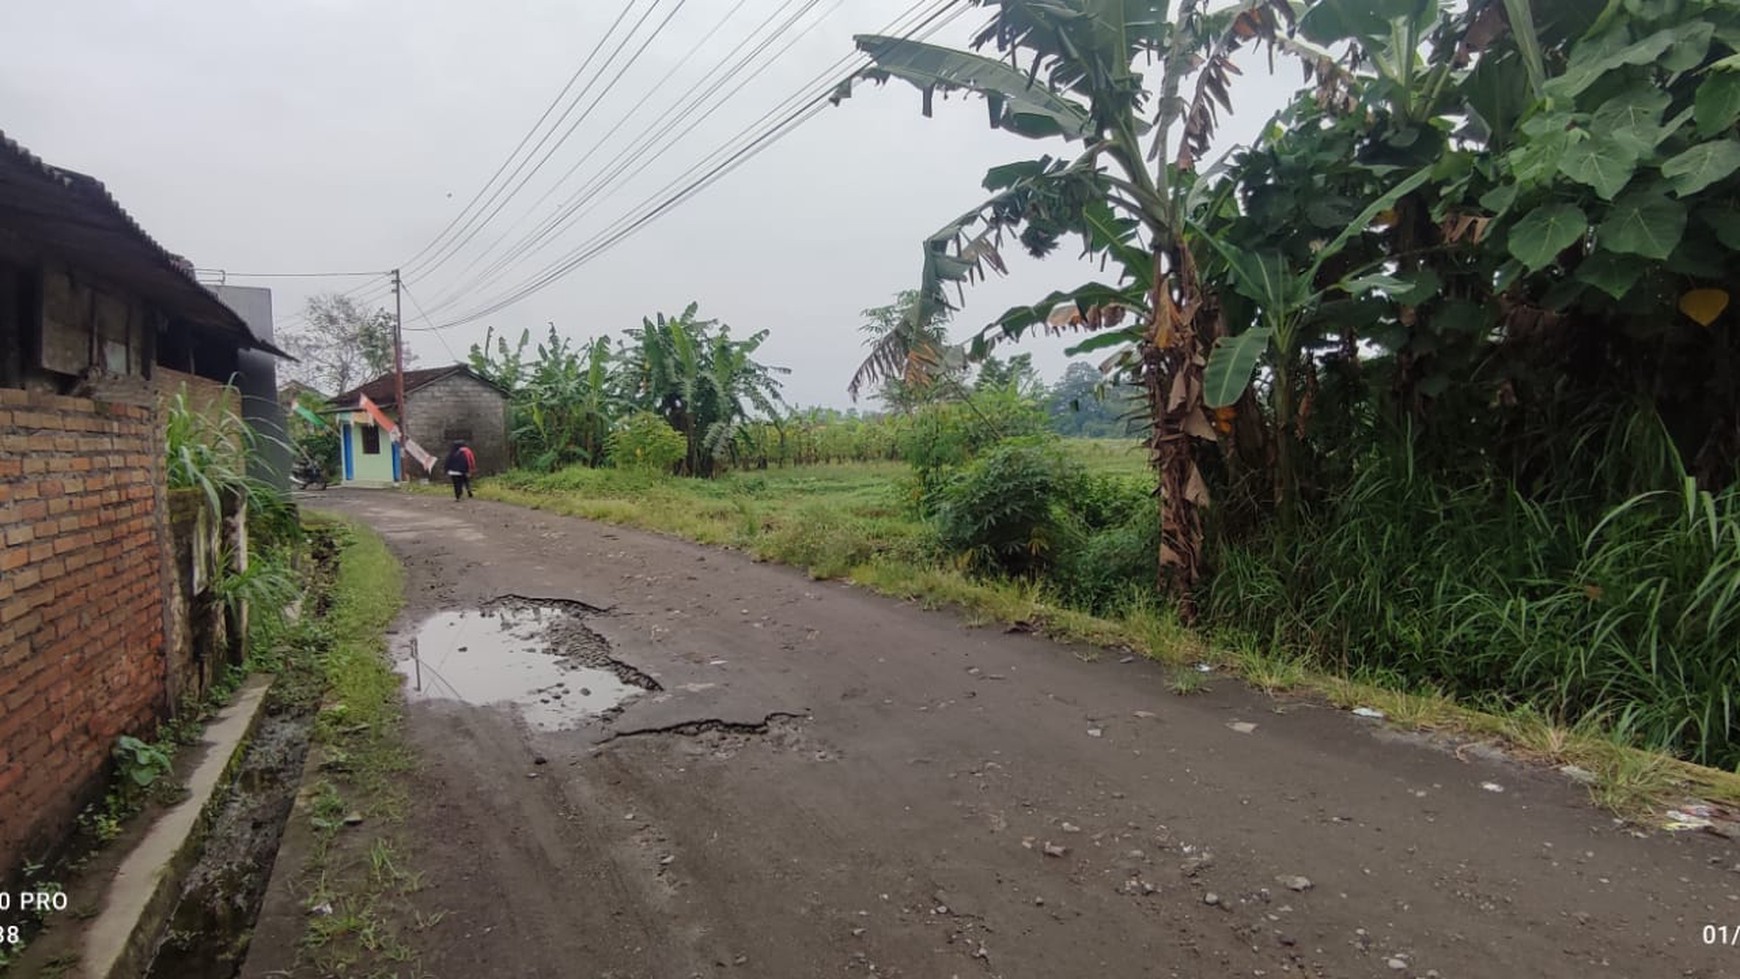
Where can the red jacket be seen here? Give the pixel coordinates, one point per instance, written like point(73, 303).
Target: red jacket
point(470, 459)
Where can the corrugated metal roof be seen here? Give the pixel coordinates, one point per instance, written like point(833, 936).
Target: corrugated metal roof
point(75, 217)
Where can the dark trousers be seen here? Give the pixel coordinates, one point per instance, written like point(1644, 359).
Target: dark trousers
point(461, 485)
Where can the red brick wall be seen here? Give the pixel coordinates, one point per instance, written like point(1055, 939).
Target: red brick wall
point(81, 603)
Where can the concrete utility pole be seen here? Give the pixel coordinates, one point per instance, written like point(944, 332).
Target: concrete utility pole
point(399, 355)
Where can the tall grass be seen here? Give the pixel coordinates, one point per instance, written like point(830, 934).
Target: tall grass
point(1627, 616)
point(206, 449)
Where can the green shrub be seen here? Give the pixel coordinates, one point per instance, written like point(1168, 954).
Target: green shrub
point(1103, 501)
point(1006, 510)
point(647, 442)
point(1108, 568)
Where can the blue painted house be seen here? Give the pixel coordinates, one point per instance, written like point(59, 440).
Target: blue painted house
point(444, 404)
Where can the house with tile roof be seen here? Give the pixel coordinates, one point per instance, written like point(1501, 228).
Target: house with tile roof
point(442, 405)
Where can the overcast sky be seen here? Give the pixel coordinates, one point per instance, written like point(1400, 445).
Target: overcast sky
point(318, 135)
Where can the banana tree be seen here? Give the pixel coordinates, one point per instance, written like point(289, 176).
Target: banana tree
point(1074, 70)
point(1286, 298)
point(701, 380)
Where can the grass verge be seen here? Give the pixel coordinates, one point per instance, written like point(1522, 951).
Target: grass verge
point(356, 884)
point(848, 521)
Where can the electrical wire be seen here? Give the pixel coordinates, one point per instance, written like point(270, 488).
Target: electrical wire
point(548, 225)
point(756, 145)
point(575, 77)
point(285, 275)
point(373, 287)
point(460, 243)
point(619, 231)
point(419, 308)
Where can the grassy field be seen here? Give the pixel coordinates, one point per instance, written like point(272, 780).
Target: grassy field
point(855, 522)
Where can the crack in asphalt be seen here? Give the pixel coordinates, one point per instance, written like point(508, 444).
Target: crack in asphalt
point(690, 729)
point(571, 605)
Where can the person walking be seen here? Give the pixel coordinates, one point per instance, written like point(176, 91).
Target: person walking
point(460, 463)
point(470, 466)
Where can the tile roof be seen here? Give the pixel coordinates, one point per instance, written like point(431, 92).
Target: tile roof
point(76, 218)
point(382, 391)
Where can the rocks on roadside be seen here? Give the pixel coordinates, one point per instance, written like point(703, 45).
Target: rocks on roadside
point(1295, 883)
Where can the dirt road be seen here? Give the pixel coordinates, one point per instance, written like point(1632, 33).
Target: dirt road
point(809, 780)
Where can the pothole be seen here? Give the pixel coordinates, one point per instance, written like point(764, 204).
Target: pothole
point(536, 656)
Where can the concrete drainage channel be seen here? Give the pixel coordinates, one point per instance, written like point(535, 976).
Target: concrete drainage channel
point(535, 655)
point(206, 936)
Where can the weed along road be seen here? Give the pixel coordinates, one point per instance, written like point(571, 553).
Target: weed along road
point(643, 758)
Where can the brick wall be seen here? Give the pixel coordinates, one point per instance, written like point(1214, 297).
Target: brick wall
point(82, 608)
point(465, 406)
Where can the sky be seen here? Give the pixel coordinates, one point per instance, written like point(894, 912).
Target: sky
point(346, 135)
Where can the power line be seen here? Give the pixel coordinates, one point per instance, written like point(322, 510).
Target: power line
point(450, 251)
point(587, 198)
point(367, 293)
point(449, 297)
point(527, 137)
point(618, 231)
point(419, 308)
point(826, 75)
point(283, 275)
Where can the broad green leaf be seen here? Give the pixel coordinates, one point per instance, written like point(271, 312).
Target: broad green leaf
point(1643, 222)
point(1499, 199)
point(1538, 160)
point(1366, 217)
point(1020, 105)
point(1545, 232)
point(1366, 283)
point(1110, 338)
point(1635, 112)
point(1689, 47)
point(1702, 165)
point(1422, 285)
point(1589, 63)
point(1264, 278)
point(1717, 103)
point(1612, 274)
point(1498, 91)
point(1009, 174)
point(1331, 21)
point(1600, 163)
point(1229, 367)
point(1725, 222)
point(1018, 319)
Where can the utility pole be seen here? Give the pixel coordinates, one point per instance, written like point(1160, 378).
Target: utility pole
point(399, 353)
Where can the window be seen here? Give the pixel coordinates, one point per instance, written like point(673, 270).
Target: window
point(371, 438)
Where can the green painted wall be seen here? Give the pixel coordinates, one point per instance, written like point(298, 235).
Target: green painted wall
point(364, 467)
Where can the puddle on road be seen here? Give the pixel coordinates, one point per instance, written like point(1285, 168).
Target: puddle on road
point(540, 660)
